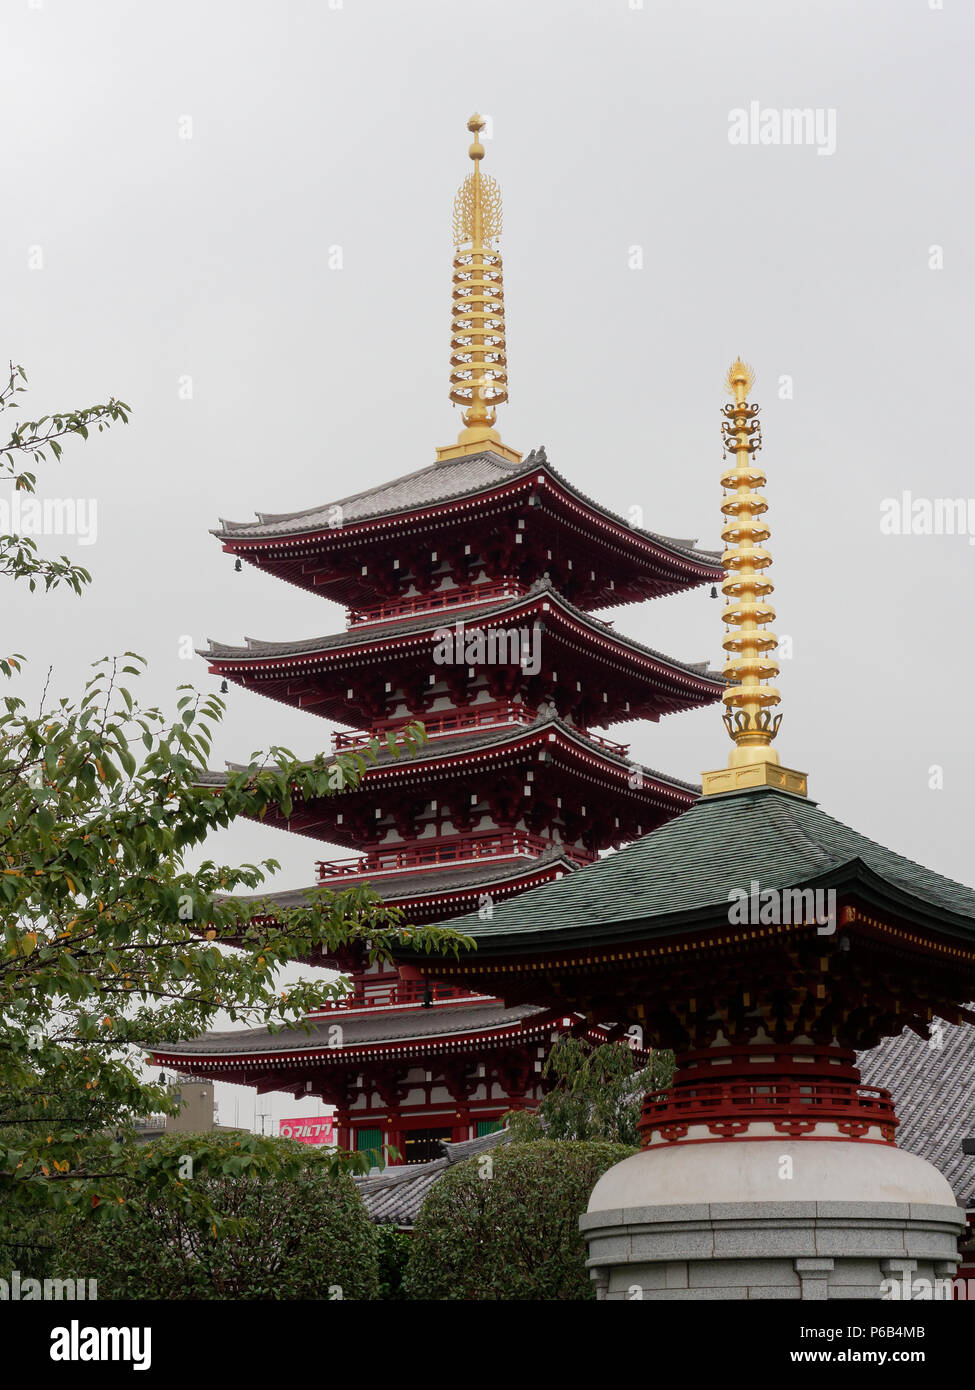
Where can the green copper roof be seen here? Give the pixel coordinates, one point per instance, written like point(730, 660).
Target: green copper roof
point(680, 875)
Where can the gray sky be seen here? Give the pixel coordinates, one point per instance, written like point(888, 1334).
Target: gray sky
point(208, 257)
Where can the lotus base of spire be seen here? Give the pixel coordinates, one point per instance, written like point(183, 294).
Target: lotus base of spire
point(478, 439)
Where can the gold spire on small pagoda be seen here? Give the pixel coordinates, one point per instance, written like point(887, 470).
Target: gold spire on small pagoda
point(750, 644)
point(478, 362)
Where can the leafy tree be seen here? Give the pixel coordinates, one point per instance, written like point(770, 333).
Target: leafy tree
point(505, 1225)
point(109, 943)
point(305, 1236)
point(31, 443)
point(596, 1093)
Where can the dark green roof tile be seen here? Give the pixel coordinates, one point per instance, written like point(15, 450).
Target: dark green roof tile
point(685, 870)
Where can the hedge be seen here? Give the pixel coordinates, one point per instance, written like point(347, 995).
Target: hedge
point(505, 1224)
point(305, 1239)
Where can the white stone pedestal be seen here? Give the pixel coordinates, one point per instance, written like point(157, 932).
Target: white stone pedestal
point(800, 1219)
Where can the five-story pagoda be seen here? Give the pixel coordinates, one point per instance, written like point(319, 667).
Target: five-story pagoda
point(470, 586)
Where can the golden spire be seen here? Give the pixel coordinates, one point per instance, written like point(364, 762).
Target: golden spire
point(479, 366)
point(750, 645)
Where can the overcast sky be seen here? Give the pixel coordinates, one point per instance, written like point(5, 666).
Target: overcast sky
point(176, 174)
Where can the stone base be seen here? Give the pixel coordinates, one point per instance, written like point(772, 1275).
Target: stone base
point(800, 1250)
point(699, 1221)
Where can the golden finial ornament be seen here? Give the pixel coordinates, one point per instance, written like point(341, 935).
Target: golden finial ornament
point(749, 643)
point(478, 360)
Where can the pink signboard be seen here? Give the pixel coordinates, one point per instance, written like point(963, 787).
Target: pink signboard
point(309, 1129)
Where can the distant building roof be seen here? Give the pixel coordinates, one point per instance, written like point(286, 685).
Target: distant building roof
point(934, 1097)
point(396, 1196)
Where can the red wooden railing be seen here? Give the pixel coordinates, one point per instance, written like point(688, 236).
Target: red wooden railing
point(790, 1105)
point(456, 850)
point(463, 721)
point(622, 750)
point(398, 992)
point(431, 603)
point(436, 725)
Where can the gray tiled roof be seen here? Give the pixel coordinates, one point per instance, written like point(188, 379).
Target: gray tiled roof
point(934, 1097)
point(396, 1196)
point(437, 482)
point(443, 481)
point(690, 863)
point(357, 1030)
point(255, 649)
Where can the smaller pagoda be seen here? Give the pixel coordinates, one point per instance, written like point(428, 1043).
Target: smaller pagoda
point(767, 944)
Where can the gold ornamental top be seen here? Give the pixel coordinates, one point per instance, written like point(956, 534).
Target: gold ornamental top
point(749, 643)
point(478, 360)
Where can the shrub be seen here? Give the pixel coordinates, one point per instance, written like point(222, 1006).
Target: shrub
point(508, 1228)
point(27, 1243)
point(309, 1238)
point(394, 1252)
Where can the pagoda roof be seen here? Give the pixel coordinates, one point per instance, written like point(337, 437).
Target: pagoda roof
point(414, 885)
point(446, 480)
point(482, 740)
point(258, 651)
point(312, 673)
point(677, 878)
point(481, 747)
point(405, 1025)
point(351, 550)
point(427, 895)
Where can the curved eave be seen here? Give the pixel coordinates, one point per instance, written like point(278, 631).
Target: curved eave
point(688, 566)
point(429, 1045)
point(286, 661)
point(503, 888)
point(429, 899)
point(430, 759)
point(912, 924)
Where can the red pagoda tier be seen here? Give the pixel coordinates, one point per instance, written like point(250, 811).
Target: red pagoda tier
point(496, 795)
point(405, 1066)
point(409, 658)
point(479, 517)
point(470, 585)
